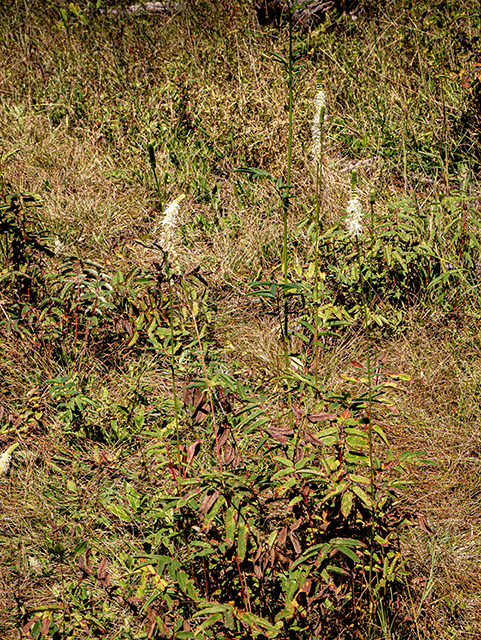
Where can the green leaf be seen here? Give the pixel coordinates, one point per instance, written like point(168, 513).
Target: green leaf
point(119, 511)
point(338, 570)
point(318, 549)
point(80, 548)
point(360, 479)
point(242, 540)
point(280, 58)
point(334, 492)
point(71, 486)
point(346, 503)
point(215, 509)
point(255, 173)
point(229, 619)
point(259, 625)
point(357, 442)
point(347, 552)
point(362, 495)
point(213, 608)
point(210, 621)
point(377, 429)
point(272, 539)
point(230, 525)
point(181, 578)
point(257, 424)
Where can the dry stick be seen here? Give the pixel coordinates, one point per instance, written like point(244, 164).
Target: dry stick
point(247, 602)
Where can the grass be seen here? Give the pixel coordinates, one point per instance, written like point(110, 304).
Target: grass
point(89, 332)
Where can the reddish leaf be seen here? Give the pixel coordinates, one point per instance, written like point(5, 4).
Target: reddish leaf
point(188, 393)
point(150, 625)
point(296, 524)
point(55, 527)
point(282, 537)
point(308, 437)
point(26, 628)
point(422, 523)
point(45, 626)
point(306, 587)
point(299, 454)
point(85, 566)
point(358, 365)
point(103, 575)
point(208, 502)
point(192, 451)
point(295, 543)
point(297, 413)
point(258, 571)
point(229, 454)
point(237, 461)
point(224, 401)
point(345, 414)
point(200, 415)
point(223, 434)
point(197, 398)
point(279, 434)
point(321, 417)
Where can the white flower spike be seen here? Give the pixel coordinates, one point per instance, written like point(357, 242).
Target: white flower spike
point(353, 222)
point(169, 224)
point(319, 118)
point(5, 459)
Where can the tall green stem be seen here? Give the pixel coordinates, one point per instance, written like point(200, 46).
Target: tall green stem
point(318, 225)
point(172, 358)
point(369, 382)
point(285, 199)
point(286, 193)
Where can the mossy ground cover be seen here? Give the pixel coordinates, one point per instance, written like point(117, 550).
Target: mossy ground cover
point(165, 480)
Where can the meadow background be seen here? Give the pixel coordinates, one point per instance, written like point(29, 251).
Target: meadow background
point(169, 432)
